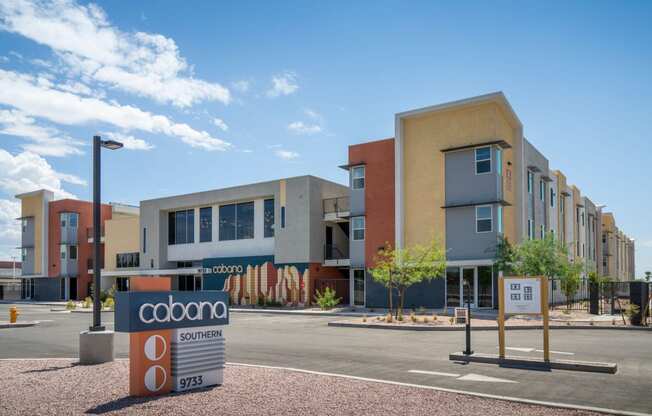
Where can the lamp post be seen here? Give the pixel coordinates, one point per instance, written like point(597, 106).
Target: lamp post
point(96, 344)
point(98, 144)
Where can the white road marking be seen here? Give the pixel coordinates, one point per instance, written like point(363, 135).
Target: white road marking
point(434, 373)
point(520, 349)
point(480, 377)
point(558, 352)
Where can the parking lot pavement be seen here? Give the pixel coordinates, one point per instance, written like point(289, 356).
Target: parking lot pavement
point(307, 342)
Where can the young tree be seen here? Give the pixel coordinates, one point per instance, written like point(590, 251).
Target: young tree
point(648, 275)
point(398, 269)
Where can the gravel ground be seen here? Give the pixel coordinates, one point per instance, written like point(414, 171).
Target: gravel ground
point(54, 387)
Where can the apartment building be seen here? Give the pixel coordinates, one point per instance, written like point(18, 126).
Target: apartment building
point(617, 260)
point(121, 247)
point(56, 245)
point(462, 173)
point(276, 241)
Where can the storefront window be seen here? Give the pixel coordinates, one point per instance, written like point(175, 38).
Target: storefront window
point(269, 218)
point(205, 224)
point(453, 286)
point(485, 286)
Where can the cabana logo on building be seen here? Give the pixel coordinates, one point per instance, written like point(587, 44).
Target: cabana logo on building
point(175, 338)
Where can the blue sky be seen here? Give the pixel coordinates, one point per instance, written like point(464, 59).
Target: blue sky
point(217, 94)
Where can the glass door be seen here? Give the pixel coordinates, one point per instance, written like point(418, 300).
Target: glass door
point(468, 283)
point(358, 287)
point(453, 287)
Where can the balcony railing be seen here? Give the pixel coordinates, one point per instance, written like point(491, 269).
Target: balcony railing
point(338, 206)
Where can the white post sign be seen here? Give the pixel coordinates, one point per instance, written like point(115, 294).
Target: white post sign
point(522, 296)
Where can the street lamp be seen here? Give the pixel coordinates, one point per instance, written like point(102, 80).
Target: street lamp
point(98, 143)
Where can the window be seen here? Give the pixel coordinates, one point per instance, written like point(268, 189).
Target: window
point(552, 197)
point(181, 227)
point(358, 287)
point(144, 240)
point(72, 252)
point(483, 219)
point(561, 204)
point(482, 160)
point(582, 215)
point(282, 217)
point(542, 190)
point(530, 181)
point(62, 250)
point(358, 227)
point(237, 221)
point(189, 283)
point(357, 177)
point(499, 218)
point(24, 223)
point(268, 218)
point(73, 219)
point(122, 284)
point(542, 231)
point(245, 220)
point(205, 224)
point(499, 161)
point(227, 222)
point(123, 260)
point(63, 217)
point(24, 255)
point(530, 229)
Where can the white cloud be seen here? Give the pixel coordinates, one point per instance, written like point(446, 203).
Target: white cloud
point(28, 171)
point(647, 244)
point(241, 86)
point(39, 99)
point(313, 115)
point(299, 127)
point(220, 124)
point(9, 228)
point(45, 141)
point(129, 142)
point(286, 154)
point(283, 84)
point(145, 64)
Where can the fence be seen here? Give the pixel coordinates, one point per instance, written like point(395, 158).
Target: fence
point(610, 298)
point(557, 298)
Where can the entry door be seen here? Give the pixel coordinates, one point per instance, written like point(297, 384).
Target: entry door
point(329, 242)
point(468, 275)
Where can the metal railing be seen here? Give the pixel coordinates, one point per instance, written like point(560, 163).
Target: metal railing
point(336, 205)
point(332, 252)
point(559, 298)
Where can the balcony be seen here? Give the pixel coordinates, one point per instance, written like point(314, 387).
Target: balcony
point(336, 209)
point(89, 234)
point(335, 257)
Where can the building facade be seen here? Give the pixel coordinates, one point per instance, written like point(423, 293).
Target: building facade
point(57, 245)
point(271, 242)
point(464, 175)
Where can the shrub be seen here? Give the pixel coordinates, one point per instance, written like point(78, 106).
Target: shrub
point(451, 320)
point(400, 317)
point(327, 299)
point(434, 317)
point(109, 303)
point(389, 318)
point(364, 318)
point(70, 305)
point(413, 317)
point(87, 303)
point(425, 319)
point(631, 310)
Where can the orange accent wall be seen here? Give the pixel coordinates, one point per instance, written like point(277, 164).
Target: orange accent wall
point(378, 157)
point(84, 250)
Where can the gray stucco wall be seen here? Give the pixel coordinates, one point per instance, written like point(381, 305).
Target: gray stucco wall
point(462, 240)
point(537, 209)
point(28, 234)
point(463, 186)
point(28, 261)
point(356, 197)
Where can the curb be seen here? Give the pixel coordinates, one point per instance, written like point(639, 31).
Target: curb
point(527, 362)
point(481, 328)
point(6, 325)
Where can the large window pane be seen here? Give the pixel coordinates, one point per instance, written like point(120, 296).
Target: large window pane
point(72, 252)
point(483, 160)
point(453, 286)
point(358, 228)
point(180, 233)
point(205, 224)
point(269, 218)
point(245, 220)
point(190, 226)
point(485, 288)
point(358, 287)
point(483, 219)
point(227, 222)
point(358, 175)
point(72, 219)
point(171, 228)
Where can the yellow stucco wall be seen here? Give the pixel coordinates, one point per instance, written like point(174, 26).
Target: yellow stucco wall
point(423, 138)
point(121, 235)
point(32, 206)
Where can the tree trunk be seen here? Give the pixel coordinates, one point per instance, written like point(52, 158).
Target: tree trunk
point(389, 300)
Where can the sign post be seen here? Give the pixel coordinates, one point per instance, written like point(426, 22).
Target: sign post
point(523, 296)
point(175, 337)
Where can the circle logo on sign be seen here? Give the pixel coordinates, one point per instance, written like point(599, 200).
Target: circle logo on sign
point(155, 378)
point(155, 347)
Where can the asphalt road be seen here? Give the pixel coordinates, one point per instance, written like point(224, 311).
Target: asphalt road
point(306, 342)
